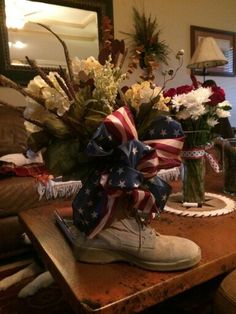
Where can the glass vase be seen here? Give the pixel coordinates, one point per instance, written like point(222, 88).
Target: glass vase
point(193, 181)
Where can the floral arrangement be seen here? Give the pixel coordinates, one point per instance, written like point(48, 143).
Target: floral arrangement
point(64, 108)
point(198, 109)
point(148, 51)
point(147, 101)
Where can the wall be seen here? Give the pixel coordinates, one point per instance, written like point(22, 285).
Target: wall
point(174, 17)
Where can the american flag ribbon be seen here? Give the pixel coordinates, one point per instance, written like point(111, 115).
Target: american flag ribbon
point(127, 168)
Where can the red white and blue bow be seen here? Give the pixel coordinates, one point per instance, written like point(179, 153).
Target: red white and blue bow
point(127, 166)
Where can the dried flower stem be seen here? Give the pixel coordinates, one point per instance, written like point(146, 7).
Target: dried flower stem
point(173, 75)
point(34, 122)
point(43, 75)
point(122, 96)
point(47, 80)
point(6, 82)
point(123, 58)
point(66, 52)
point(65, 77)
point(64, 87)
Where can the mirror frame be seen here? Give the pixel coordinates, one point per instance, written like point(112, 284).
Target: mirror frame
point(23, 74)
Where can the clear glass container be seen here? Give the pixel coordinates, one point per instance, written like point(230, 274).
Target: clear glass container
point(194, 181)
point(229, 165)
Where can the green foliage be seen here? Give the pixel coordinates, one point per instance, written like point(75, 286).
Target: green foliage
point(145, 39)
point(61, 156)
point(38, 140)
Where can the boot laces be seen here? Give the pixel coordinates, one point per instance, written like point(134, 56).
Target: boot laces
point(142, 224)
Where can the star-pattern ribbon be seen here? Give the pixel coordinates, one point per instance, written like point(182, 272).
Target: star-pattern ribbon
point(127, 168)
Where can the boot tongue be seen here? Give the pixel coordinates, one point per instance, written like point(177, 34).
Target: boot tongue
point(129, 224)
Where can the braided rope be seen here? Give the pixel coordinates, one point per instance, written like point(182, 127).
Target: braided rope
point(228, 207)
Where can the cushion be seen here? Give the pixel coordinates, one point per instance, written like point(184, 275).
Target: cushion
point(13, 135)
point(20, 193)
point(225, 300)
point(16, 194)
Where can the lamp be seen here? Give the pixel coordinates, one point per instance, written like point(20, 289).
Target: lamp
point(207, 55)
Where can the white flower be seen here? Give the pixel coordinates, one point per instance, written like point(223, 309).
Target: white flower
point(55, 100)
point(88, 66)
point(177, 101)
point(224, 104)
point(212, 122)
point(202, 94)
point(55, 97)
point(221, 113)
point(32, 128)
point(196, 110)
point(36, 85)
point(180, 54)
point(222, 110)
point(191, 105)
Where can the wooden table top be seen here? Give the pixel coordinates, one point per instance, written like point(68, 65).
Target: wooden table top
point(120, 287)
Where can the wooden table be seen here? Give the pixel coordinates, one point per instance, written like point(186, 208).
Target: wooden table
point(120, 287)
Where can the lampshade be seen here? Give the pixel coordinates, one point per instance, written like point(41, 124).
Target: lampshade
point(207, 55)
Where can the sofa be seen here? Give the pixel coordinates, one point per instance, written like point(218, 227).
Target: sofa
point(17, 193)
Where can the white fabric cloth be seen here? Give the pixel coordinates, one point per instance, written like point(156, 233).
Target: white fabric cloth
point(21, 160)
point(171, 174)
point(61, 189)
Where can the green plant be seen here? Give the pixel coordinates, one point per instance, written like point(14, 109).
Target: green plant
point(146, 46)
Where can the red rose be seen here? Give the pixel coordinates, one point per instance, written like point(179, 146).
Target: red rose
point(170, 92)
point(184, 89)
point(178, 91)
point(217, 97)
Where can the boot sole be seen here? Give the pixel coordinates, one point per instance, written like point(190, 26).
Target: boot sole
point(104, 256)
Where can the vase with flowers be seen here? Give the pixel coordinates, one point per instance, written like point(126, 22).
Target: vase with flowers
point(198, 109)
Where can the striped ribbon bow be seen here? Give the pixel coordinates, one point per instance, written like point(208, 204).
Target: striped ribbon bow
point(127, 168)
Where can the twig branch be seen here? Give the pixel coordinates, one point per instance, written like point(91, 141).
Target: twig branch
point(65, 77)
point(6, 82)
point(43, 75)
point(173, 75)
point(66, 52)
point(123, 58)
point(39, 124)
point(64, 87)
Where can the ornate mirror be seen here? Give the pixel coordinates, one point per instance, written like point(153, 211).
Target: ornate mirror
point(77, 22)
